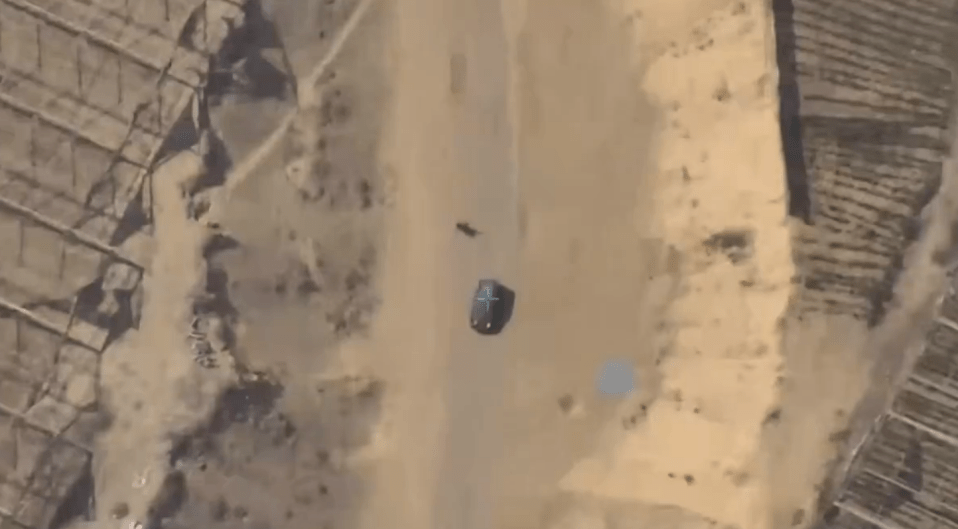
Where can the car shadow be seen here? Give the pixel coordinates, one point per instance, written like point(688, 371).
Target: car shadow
point(507, 298)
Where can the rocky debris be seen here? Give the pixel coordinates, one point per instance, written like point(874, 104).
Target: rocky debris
point(249, 437)
point(203, 353)
point(198, 206)
point(213, 316)
point(339, 286)
point(250, 406)
point(736, 244)
point(322, 164)
point(307, 175)
point(210, 340)
point(251, 401)
point(358, 302)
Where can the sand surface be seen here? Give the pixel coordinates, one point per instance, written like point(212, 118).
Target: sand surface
point(597, 157)
point(622, 163)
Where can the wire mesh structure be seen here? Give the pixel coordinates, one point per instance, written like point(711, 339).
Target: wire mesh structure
point(905, 476)
point(95, 108)
point(88, 91)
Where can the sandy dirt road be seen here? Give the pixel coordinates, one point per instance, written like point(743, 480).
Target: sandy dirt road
point(453, 162)
point(474, 419)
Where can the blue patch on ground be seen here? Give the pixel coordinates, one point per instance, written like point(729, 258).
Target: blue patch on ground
point(616, 378)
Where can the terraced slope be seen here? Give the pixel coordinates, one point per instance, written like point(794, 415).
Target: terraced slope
point(867, 93)
point(88, 91)
point(906, 474)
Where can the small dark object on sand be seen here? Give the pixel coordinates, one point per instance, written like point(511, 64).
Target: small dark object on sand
point(467, 229)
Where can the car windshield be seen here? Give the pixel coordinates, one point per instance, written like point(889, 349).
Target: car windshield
point(486, 294)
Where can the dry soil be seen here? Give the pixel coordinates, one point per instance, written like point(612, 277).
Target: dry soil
point(622, 163)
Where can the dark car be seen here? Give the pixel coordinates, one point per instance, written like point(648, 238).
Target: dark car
point(491, 307)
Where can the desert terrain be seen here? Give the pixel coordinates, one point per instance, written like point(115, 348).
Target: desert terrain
point(263, 322)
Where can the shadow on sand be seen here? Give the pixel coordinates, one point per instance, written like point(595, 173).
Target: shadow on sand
point(796, 172)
